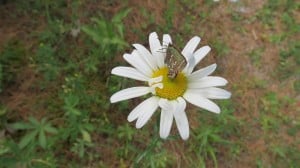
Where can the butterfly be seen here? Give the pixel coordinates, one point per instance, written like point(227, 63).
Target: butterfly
point(175, 61)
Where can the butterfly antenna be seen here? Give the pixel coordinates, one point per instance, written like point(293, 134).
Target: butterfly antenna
point(162, 50)
point(164, 46)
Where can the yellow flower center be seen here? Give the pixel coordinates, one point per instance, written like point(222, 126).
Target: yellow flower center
point(172, 88)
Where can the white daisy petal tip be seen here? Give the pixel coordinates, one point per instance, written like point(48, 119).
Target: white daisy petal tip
point(166, 39)
point(148, 57)
point(195, 41)
point(214, 65)
point(196, 75)
point(217, 110)
point(113, 71)
point(154, 43)
point(225, 81)
point(229, 95)
point(135, 44)
point(129, 72)
point(111, 100)
point(148, 106)
point(200, 101)
point(197, 38)
point(201, 53)
point(185, 136)
point(138, 125)
point(153, 35)
point(133, 115)
point(164, 135)
point(207, 48)
point(191, 46)
point(143, 111)
point(129, 119)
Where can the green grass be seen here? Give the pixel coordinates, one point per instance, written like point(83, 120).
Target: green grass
point(289, 61)
point(255, 56)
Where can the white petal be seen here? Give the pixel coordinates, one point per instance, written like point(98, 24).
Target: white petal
point(158, 79)
point(166, 40)
point(200, 101)
point(156, 49)
point(154, 42)
point(202, 72)
point(161, 52)
point(160, 56)
point(153, 87)
point(201, 53)
point(148, 109)
point(208, 81)
point(136, 61)
point(191, 46)
point(146, 55)
point(165, 104)
point(213, 93)
point(142, 108)
point(129, 93)
point(190, 65)
point(181, 119)
point(166, 120)
point(182, 104)
point(198, 56)
point(129, 72)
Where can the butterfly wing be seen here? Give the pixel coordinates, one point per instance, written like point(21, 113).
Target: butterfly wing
point(176, 61)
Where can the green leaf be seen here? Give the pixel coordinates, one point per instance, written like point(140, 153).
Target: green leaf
point(42, 139)
point(120, 15)
point(118, 41)
point(4, 150)
point(71, 101)
point(101, 25)
point(27, 139)
point(43, 121)
point(21, 126)
point(34, 121)
point(279, 151)
point(74, 111)
point(212, 154)
point(50, 129)
point(90, 32)
point(89, 126)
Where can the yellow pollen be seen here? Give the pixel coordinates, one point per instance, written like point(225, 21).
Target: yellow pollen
point(172, 88)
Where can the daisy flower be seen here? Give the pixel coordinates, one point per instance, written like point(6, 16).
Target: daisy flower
point(169, 94)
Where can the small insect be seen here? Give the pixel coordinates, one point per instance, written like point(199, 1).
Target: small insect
point(175, 61)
